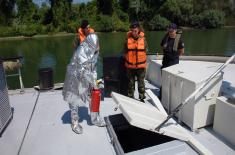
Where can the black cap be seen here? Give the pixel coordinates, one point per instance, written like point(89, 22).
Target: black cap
point(84, 24)
point(172, 26)
point(134, 24)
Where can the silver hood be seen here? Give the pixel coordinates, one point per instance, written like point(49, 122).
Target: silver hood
point(81, 72)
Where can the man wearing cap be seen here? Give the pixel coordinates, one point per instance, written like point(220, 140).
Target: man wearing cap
point(82, 32)
point(172, 46)
point(135, 60)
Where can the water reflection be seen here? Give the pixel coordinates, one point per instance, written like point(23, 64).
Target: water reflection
point(47, 61)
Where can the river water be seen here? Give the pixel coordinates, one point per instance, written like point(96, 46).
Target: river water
point(56, 52)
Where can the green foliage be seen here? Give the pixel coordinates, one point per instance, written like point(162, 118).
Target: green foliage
point(60, 11)
point(8, 31)
point(230, 20)
point(186, 9)
point(50, 29)
point(90, 10)
point(24, 30)
point(212, 18)
point(26, 11)
point(170, 9)
point(120, 25)
point(45, 14)
point(6, 11)
point(105, 7)
point(27, 30)
point(196, 21)
point(209, 19)
point(109, 15)
point(158, 23)
point(104, 24)
point(71, 27)
point(124, 5)
point(122, 16)
point(178, 11)
point(222, 5)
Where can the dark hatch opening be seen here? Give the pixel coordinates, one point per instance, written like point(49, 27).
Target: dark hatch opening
point(132, 138)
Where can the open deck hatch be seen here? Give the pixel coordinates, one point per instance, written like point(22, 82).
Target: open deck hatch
point(147, 117)
point(127, 138)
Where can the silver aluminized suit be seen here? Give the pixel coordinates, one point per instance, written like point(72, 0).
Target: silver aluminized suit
point(80, 79)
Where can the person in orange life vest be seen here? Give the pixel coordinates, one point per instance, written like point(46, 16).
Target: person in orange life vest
point(135, 60)
point(82, 32)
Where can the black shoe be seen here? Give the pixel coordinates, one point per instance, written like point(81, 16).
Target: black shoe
point(142, 100)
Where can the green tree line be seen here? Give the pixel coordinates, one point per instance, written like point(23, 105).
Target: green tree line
point(23, 17)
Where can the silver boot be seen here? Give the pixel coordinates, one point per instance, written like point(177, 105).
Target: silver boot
point(76, 127)
point(97, 120)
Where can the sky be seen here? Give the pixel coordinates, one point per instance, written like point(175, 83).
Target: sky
point(39, 2)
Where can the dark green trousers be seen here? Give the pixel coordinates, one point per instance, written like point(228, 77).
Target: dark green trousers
point(140, 75)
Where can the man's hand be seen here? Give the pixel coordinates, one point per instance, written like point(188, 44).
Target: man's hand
point(181, 51)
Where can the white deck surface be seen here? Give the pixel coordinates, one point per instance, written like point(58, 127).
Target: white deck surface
point(13, 135)
point(50, 133)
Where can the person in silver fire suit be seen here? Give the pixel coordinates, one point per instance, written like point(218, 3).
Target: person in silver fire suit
point(80, 79)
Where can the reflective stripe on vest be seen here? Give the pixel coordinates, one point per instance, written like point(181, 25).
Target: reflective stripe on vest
point(81, 34)
point(136, 53)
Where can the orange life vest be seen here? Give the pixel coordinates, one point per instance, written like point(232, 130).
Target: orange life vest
point(136, 53)
point(81, 34)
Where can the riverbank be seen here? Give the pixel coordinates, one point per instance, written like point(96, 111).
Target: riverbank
point(60, 34)
point(192, 28)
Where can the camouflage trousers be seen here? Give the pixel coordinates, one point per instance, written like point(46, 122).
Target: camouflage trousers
point(132, 74)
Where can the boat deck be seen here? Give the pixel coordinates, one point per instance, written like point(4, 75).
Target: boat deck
point(49, 130)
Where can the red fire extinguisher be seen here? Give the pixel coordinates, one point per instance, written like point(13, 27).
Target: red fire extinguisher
point(95, 100)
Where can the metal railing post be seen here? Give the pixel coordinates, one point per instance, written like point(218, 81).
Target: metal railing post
point(21, 81)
